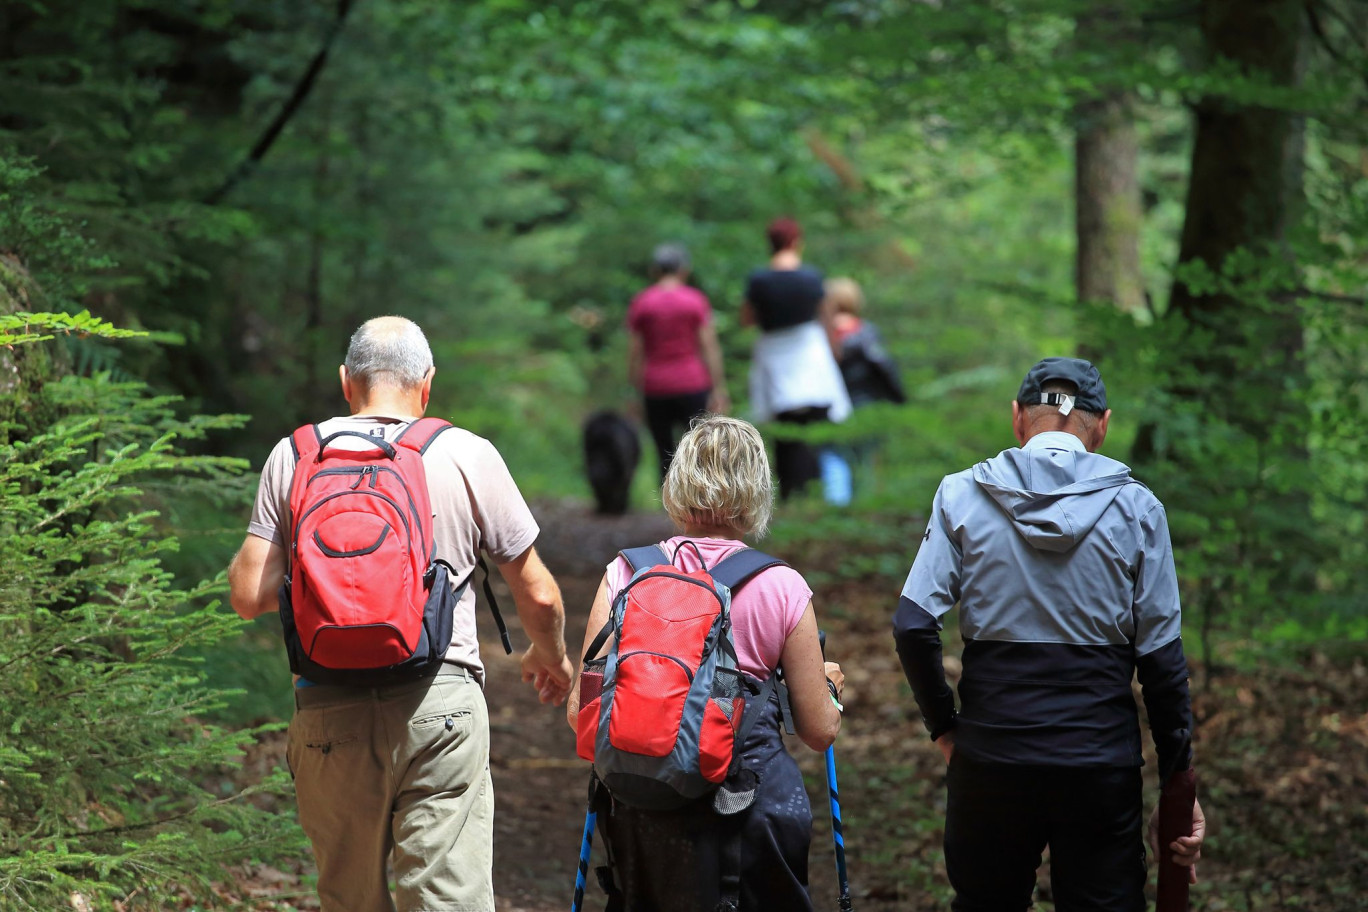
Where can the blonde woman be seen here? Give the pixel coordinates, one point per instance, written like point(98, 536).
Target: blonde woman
point(717, 491)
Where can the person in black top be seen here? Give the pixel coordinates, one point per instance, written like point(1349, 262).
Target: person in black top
point(794, 377)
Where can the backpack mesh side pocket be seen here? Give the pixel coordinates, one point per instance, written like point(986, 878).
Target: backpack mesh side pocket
point(721, 719)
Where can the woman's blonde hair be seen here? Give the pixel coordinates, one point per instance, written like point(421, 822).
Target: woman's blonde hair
point(720, 476)
point(845, 295)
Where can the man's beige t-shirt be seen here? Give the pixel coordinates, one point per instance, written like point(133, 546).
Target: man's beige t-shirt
point(475, 503)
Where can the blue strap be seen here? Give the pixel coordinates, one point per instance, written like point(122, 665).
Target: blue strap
point(645, 556)
point(736, 569)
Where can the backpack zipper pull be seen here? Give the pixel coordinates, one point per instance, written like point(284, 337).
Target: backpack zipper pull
point(374, 474)
point(359, 478)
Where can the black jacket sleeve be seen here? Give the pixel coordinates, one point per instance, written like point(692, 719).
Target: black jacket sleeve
point(1163, 676)
point(917, 637)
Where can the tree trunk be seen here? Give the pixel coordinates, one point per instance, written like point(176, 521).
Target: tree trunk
point(1241, 184)
point(1243, 191)
point(1233, 373)
point(1106, 181)
point(24, 369)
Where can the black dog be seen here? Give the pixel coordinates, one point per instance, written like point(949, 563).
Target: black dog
point(611, 452)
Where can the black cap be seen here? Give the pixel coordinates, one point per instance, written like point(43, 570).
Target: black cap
point(1090, 397)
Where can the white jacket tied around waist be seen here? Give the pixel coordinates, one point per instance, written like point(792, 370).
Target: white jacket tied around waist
point(794, 368)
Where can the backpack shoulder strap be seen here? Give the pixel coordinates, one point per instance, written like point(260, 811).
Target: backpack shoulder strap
point(599, 640)
point(306, 441)
point(645, 556)
point(493, 603)
point(737, 569)
point(420, 434)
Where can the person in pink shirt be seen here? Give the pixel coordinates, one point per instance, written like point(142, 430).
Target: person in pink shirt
point(718, 490)
point(674, 358)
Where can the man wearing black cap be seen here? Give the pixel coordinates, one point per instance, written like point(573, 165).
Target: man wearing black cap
point(1062, 568)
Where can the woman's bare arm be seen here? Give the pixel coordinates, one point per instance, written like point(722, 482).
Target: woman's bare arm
point(815, 717)
point(598, 616)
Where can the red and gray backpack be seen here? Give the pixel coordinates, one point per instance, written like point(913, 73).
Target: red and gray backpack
point(365, 599)
point(671, 716)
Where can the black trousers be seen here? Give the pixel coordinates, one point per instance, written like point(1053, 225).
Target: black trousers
point(999, 818)
point(795, 462)
point(668, 418)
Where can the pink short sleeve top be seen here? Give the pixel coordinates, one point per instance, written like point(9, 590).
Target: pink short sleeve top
point(667, 318)
point(763, 613)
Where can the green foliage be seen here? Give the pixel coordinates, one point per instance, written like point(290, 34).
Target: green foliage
point(104, 762)
point(25, 327)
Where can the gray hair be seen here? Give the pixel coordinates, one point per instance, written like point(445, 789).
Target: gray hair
point(389, 351)
point(720, 476)
point(670, 259)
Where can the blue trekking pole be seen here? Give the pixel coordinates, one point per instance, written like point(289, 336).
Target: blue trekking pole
point(586, 846)
point(836, 830)
point(834, 794)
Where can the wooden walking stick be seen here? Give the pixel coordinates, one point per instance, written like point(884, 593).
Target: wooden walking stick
point(1177, 796)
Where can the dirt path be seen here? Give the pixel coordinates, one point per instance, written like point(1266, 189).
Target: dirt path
point(539, 783)
point(1283, 756)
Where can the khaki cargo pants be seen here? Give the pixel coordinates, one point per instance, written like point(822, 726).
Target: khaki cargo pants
point(402, 769)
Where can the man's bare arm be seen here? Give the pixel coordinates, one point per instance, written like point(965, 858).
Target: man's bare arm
point(538, 600)
point(255, 576)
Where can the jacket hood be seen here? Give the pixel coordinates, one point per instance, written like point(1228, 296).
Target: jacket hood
point(1053, 496)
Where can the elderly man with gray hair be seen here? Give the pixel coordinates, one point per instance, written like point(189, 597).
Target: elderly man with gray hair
point(1062, 569)
point(400, 771)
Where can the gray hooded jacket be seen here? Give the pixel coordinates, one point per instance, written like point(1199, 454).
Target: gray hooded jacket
point(1062, 568)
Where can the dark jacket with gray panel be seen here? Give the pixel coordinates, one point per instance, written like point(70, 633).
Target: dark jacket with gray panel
point(1062, 567)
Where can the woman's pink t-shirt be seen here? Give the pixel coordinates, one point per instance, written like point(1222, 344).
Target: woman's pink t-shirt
point(763, 613)
point(667, 318)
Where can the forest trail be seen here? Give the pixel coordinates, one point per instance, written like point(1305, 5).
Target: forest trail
point(1283, 761)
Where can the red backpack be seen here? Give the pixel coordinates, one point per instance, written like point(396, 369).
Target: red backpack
point(674, 708)
point(365, 599)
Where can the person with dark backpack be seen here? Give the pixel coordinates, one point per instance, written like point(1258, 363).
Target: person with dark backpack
point(700, 805)
point(870, 375)
point(366, 535)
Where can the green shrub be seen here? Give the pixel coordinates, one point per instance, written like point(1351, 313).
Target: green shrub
point(110, 783)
